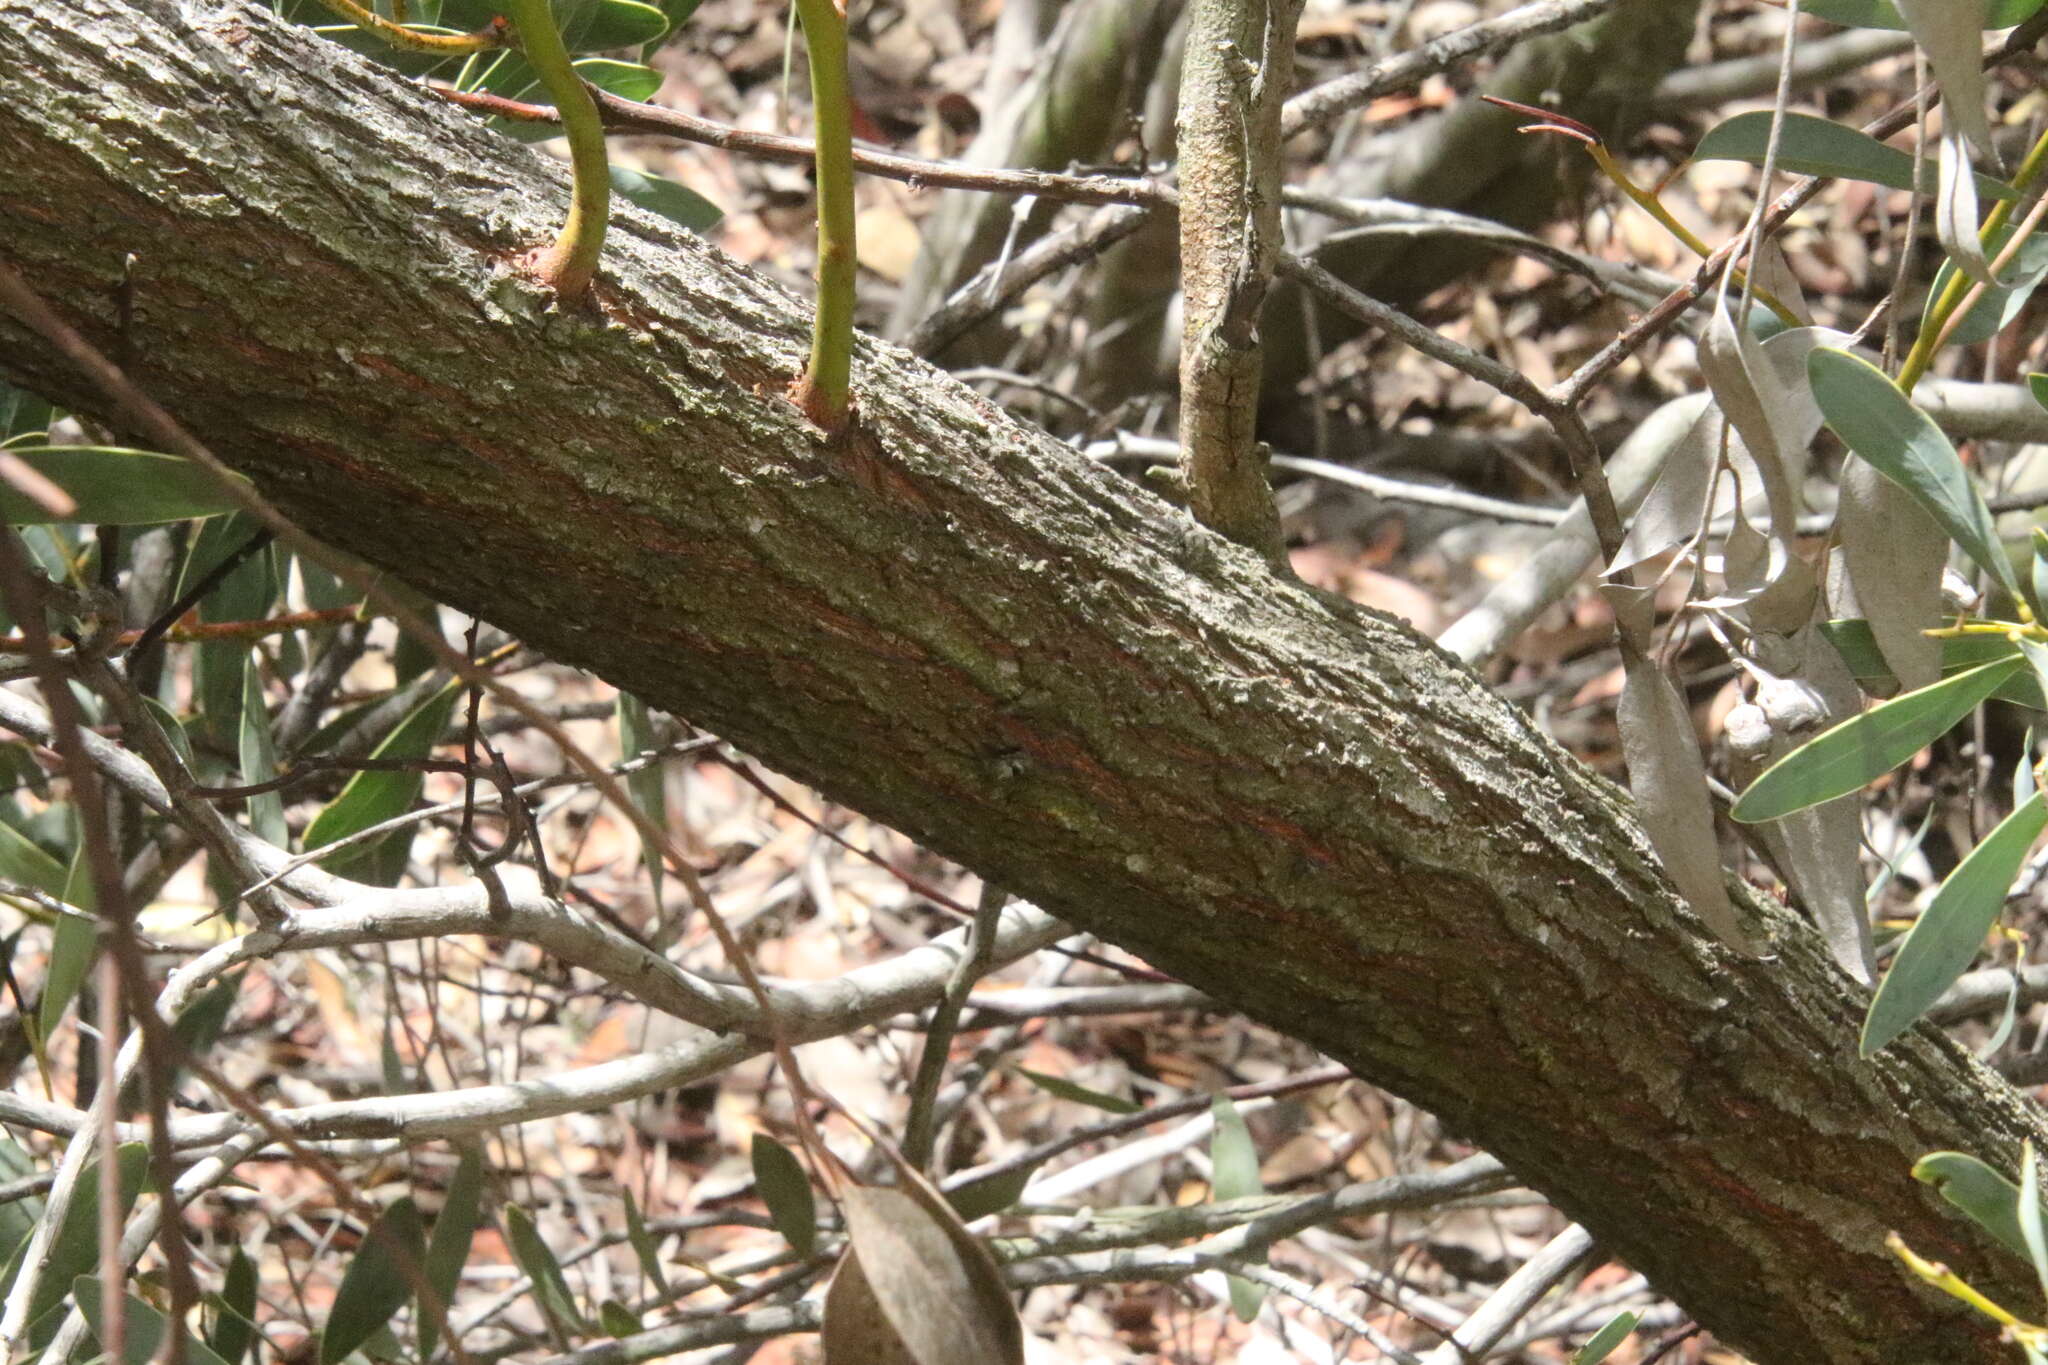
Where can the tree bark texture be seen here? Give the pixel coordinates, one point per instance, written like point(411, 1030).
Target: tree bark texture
point(956, 625)
point(1237, 69)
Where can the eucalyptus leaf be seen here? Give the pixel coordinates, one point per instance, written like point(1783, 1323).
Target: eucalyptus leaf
point(1234, 1174)
point(1982, 1193)
point(786, 1188)
point(657, 194)
point(454, 1230)
point(375, 1285)
point(643, 1244)
point(370, 798)
point(647, 785)
point(1879, 423)
point(1061, 1088)
point(75, 1249)
point(1951, 33)
point(1884, 14)
point(1603, 1342)
point(935, 1286)
point(142, 1327)
point(550, 1287)
point(990, 1194)
point(1949, 934)
point(115, 486)
point(1810, 145)
point(1669, 782)
point(234, 1311)
point(1864, 748)
point(74, 942)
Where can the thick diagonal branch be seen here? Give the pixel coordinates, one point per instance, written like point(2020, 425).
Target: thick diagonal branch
point(959, 626)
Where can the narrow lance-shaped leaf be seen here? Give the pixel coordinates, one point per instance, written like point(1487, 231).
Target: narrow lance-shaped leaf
point(375, 1285)
point(115, 487)
point(454, 1230)
point(991, 1193)
point(73, 944)
point(1957, 220)
point(1885, 14)
point(550, 1286)
point(646, 785)
point(1947, 936)
point(643, 1244)
point(1987, 1197)
point(1951, 33)
point(234, 1311)
point(1604, 1341)
point(1234, 1167)
point(76, 1247)
point(1061, 1088)
point(1881, 425)
point(1670, 785)
point(370, 798)
point(786, 1188)
point(1866, 747)
point(2030, 1213)
point(259, 757)
point(142, 1327)
point(1816, 146)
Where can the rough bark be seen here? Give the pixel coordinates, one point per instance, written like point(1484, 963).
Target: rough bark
point(956, 625)
point(1237, 69)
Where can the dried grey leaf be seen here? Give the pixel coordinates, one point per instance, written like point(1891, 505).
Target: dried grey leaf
point(1670, 785)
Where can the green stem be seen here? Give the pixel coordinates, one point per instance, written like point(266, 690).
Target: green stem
point(412, 40)
point(570, 262)
point(1652, 205)
point(824, 392)
point(1928, 344)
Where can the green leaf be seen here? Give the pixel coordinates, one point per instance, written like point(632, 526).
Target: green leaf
point(1864, 748)
point(234, 1311)
point(114, 486)
point(2037, 384)
point(370, 798)
point(1079, 1094)
point(259, 757)
point(76, 1247)
point(606, 24)
point(1607, 1338)
point(990, 1194)
point(197, 1028)
point(23, 860)
point(617, 1319)
point(627, 80)
point(375, 1286)
point(643, 1244)
point(1976, 1189)
point(1882, 426)
point(786, 1188)
point(2000, 305)
point(142, 1327)
point(1884, 14)
point(21, 412)
point(550, 1288)
point(1234, 1174)
point(647, 786)
point(2030, 1214)
point(73, 943)
point(1943, 941)
point(672, 201)
point(454, 1230)
point(1810, 145)
point(245, 594)
point(1857, 644)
